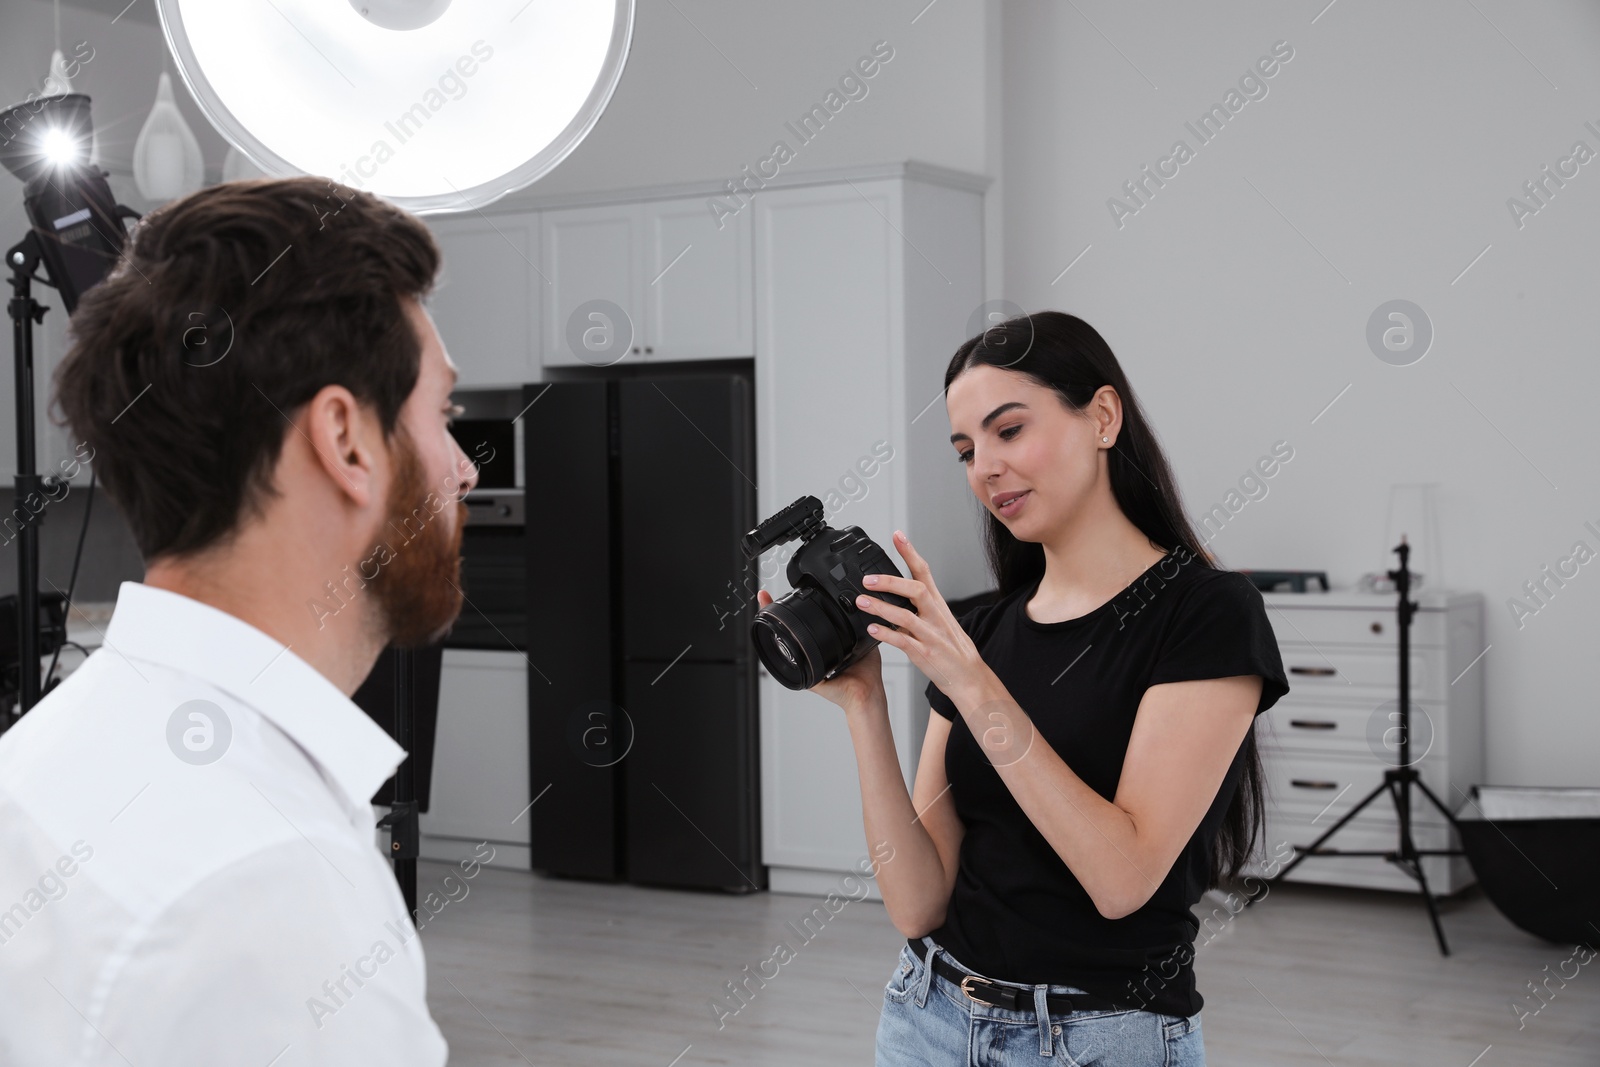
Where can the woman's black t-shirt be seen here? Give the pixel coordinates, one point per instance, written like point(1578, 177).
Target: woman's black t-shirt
point(1017, 912)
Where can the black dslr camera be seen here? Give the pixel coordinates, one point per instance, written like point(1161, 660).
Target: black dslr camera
point(815, 631)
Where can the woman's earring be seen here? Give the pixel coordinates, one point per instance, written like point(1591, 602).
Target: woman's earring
point(1107, 440)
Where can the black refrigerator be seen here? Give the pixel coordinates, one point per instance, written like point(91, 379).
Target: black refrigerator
point(642, 680)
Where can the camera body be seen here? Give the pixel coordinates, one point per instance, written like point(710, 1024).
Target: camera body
point(815, 631)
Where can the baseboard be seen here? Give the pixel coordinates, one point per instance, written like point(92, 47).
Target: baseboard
point(809, 882)
point(510, 857)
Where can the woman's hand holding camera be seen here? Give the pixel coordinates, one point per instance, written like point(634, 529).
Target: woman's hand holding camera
point(858, 686)
point(930, 636)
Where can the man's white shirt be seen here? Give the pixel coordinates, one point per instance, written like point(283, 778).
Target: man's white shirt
point(188, 872)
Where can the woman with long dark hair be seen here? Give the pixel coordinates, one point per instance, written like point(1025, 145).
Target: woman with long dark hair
point(1090, 768)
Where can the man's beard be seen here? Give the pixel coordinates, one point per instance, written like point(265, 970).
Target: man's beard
point(418, 591)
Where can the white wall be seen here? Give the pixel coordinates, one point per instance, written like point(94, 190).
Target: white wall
point(1377, 166)
point(710, 84)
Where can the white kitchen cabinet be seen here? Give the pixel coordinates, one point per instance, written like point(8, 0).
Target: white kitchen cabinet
point(864, 289)
point(698, 287)
point(645, 281)
point(480, 759)
point(593, 305)
point(486, 301)
point(1327, 744)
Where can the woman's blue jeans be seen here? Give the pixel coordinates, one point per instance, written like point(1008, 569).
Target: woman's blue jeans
point(928, 1021)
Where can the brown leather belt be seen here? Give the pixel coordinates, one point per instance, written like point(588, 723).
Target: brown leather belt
point(1011, 997)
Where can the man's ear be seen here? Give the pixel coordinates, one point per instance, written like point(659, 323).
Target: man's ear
point(341, 432)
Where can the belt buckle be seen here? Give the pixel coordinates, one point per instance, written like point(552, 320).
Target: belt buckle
point(968, 991)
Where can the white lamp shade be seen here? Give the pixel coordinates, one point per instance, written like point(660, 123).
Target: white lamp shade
point(480, 101)
point(166, 157)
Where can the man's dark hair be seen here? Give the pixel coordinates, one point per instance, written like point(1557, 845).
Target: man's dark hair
point(228, 310)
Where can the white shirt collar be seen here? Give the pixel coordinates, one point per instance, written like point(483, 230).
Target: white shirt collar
point(167, 628)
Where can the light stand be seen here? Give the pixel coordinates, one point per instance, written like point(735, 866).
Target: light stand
point(77, 234)
point(1397, 780)
point(401, 820)
point(24, 258)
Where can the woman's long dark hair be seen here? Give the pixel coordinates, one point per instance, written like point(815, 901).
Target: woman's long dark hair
point(1063, 353)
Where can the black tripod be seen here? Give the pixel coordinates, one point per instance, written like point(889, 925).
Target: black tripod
point(401, 821)
point(76, 232)
point(24, 258)
point(1397, 780)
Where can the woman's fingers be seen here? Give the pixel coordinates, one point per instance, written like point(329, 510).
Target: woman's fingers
point(909, 588)
point(914, 562)
point(898, 638)
point(886, 611)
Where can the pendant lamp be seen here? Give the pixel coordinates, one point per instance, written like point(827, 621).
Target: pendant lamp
point(435, 105)
point(166, 157)
point(56, 83)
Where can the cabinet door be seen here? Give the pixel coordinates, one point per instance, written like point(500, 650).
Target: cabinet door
point(827, 301)
point(697, 293)
point(485, 302)
point(593, 309)
point(480, 757)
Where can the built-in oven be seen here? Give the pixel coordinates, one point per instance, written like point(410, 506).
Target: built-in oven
point(493, 573)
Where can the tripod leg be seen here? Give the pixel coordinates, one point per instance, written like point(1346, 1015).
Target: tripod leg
point(1427, 894)
point(1410, 860)
point(1330, 831)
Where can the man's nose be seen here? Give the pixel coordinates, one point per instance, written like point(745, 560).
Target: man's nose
point(469, 473)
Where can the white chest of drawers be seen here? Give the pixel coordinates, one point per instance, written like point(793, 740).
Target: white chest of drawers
point(1327, 743)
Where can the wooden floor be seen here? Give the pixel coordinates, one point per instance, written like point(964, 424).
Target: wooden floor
point(529, 970)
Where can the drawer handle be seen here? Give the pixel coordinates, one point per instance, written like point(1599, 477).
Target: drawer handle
point(1313, 724)
point(1315, 672)
point(1306, 783)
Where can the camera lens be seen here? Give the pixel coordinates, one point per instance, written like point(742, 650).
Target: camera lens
point(801, 637)
point(788, 653)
